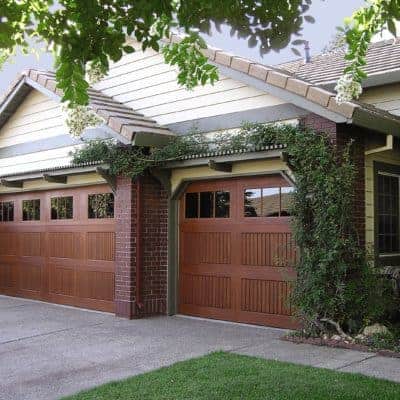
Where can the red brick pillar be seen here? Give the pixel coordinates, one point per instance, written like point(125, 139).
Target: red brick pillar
point(125, 247)
point(154, 242)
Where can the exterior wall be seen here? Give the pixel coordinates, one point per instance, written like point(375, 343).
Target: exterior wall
point(341, 134)
point(144, 82)
point(180, 175)
point(388, 157)
point(153, 218)
point(39, 184)
point(385, 97)
point(37, 118)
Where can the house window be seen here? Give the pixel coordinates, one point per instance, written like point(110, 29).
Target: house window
point(101, 205)
point(207, 205)
point(6, 211)
point(62, 207)
point(31, 210)
point(388, 213)
point(267, 202)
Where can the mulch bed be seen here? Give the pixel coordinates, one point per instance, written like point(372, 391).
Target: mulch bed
point(339, 344)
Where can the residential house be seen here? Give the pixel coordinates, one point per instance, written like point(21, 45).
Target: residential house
point(208, 235)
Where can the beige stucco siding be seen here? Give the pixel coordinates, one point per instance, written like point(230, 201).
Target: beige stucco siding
point(39, 184)
point(389, 157)
point(238, 169)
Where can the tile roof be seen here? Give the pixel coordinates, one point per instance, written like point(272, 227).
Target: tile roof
point(352, 111)
point(120, 118)
point(326, 68)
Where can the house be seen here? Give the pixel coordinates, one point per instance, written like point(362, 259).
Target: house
point(208, 235)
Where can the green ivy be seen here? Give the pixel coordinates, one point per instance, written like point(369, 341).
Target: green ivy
point(335, 279)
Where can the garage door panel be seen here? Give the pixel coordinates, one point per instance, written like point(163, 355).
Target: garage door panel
point(62, 280)
point(31, 243)
point(8, 244)
point(207, 248)
point(8, 274)
point(238, 268)
point(268, 249)
point(30, 275)
point(65, 245)
point(100, 246)
point(65, 261)
point(95, 285)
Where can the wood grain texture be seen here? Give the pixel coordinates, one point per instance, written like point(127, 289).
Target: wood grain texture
point(237, 268)
point(63, 261)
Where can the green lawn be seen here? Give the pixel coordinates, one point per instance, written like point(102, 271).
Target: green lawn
point(227, 376)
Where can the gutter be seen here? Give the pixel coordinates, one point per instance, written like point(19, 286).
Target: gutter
point(388, 146)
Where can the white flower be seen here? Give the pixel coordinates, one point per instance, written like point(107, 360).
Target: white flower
point(81, 117)
point(94, 73)
point(347, 89)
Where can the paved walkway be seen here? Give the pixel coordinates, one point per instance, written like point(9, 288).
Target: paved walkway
point(49, 351)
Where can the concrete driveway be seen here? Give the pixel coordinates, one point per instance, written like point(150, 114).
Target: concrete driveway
point(49, 351)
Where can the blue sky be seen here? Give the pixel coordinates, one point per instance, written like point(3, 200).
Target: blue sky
point(328, 15)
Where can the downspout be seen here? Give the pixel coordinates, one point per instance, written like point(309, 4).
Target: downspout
point(388, 146)
point(139, 251)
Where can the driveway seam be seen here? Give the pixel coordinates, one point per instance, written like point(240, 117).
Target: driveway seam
point(356, 362)
point(49, 333)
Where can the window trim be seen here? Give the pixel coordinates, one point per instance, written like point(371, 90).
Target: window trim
point(381, 168)
point(22, 211)
point(13, 212)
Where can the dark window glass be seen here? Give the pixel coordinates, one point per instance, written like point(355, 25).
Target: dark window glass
point(101, 205)
point(222, 204)
point(31, 210)
point(270, 202)
point(62, 207)
point(191, 205)
point(206, 204)
point(388, 214)
point(252, 203)
point(286, 200)
point(6, 211)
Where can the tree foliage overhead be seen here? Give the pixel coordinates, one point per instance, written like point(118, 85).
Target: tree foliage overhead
point(93, 32)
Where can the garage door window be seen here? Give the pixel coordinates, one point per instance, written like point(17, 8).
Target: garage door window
point(62, 207)
point(267, 202)
point(101, 205)
point(6, 211)
point(207, 205)
point(31, 210)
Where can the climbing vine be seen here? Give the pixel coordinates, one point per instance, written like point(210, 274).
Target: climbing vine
point(336, 283)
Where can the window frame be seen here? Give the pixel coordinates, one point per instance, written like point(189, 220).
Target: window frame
point(13, 211)
point(61, 197)
point(40, 210)
point(97, 217)
point(214, 210)
point(389, 170)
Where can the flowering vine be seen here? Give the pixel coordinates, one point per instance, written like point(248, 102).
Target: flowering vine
point(347, 88)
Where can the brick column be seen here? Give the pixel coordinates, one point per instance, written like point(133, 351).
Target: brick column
point(341, 134)
point(125, 249)
point(154, 241)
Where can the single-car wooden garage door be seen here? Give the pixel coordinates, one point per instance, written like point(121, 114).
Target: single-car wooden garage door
point(236, 251)
point(59, 246)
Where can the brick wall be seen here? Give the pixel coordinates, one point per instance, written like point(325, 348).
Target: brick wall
point(341, 134)
point(154, 225)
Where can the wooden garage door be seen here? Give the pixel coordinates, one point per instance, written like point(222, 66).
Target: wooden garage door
point(59, 246)
point(236, 251)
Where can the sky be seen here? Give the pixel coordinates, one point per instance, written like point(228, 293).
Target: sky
point(328, 14)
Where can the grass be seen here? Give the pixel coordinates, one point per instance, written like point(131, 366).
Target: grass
point(226, 376)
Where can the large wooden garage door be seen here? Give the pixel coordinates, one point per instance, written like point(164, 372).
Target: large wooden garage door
point(59, 246)
point(236, 251)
